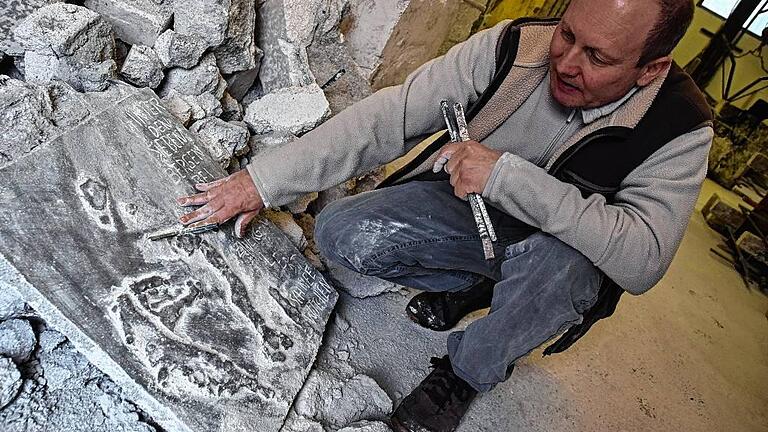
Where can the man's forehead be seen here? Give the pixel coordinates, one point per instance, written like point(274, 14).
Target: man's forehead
point(616, 27)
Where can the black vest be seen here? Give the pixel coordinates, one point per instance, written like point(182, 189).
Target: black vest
point(599, 162)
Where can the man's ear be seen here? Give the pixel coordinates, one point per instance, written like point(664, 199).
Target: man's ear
point(653, 69)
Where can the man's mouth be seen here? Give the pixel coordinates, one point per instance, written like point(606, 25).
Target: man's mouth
point(566, 87)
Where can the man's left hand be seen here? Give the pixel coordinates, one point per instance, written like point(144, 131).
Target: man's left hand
point(470, 165)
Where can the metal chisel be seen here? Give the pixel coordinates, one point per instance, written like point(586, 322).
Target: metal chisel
point(459, 133)
point(176, 231)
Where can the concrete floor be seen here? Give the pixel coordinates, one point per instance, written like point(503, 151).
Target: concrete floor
point(690, 355)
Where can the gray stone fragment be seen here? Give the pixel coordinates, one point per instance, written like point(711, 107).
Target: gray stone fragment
point(223, 141)
point(293, 25)
point(177, 105)
point(17, 340)
point(10, 381)
point(180, 50)
point(25, 118)
point(203, 106)
point(137, 22)
point(199, 331)
point(203, 78)
point(11, 305)
point(337, 403)
point(142, 67)
point(297, 423)
point(367, 426)
point(295, 110)
point(356, 284)
point(239, 83)
point(227, 26)
point(231, 108)
point(67, 42)
point(285, 222)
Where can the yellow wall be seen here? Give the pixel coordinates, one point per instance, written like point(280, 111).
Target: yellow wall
point(747, 68)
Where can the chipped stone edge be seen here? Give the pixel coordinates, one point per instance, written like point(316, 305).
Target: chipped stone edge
point(12, 279)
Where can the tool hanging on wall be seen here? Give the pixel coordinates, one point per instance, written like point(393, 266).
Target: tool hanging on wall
point(458, 131)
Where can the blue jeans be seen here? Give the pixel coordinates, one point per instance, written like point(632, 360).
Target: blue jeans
point(420, 235)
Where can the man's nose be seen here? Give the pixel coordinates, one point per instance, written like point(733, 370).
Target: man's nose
point(569, 63)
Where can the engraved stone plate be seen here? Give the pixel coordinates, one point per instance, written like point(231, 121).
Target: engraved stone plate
point(206, 333)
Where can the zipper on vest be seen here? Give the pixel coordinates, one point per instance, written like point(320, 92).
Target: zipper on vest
point(556, 139)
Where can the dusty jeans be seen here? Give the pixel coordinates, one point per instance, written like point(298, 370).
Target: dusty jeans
point(420, 235)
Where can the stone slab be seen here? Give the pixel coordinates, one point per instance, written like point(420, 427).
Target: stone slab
point(205, 333)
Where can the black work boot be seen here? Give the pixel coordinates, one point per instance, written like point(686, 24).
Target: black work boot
point(441, 311)
point(435, 405)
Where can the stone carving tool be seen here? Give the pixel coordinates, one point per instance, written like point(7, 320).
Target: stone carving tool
point(459, 132)
point(176, 231)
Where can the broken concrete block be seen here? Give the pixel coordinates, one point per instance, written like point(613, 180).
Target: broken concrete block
point(203, 78)
point(292, 25)
point(17, 340)
point(295, 110)
point(11, 305)
point(25, 118)
point(177, 105)
point(356, 284)
point(10, 381)
point(137, 22)
point(203, 332)
point(203, 106)
point(142, 67)
point(239, 83)
point(338, 403)
point(367, 426)
point(180, 50)
point(720, 216)
point(296, 423)
point(228, 27)
point(231, 108)
point(67, 42)
point(223, 141)
point(62, 391)
point(285, 222)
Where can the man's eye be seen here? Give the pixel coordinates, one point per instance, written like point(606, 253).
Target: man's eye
point(595, 59)
point(568, 36)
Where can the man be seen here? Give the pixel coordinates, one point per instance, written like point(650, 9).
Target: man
point(594, 147)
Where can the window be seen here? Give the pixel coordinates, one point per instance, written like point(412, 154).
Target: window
point(723, 8)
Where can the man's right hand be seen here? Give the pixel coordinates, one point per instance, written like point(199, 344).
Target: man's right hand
point(223, 199)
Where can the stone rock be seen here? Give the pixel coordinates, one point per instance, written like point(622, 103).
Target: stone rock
point(356, 284)
point(301, 204)
point(285, 222)
point(231, 108)
point(180, 50)
point(199, 331)
point(293, 25)
point(296, 423)
point(25, 118)
point(203, 106)
point(223, 141)
point(12, 305)
point(67, 42)
point(203, 78)
point(178, 107)
point(137, 22)
point(62, 391)
point(366, 426)
point(337, 403)
point(227, 26)
point(295, 110)
point(10, 381)
point(17, 340)
point(142, 67)
point(239, 83)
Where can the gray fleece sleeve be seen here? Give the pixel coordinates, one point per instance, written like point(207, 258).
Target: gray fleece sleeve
point(375, 130)
point(632, 240)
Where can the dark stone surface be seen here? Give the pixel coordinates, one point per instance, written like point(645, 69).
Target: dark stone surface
point(203, 332)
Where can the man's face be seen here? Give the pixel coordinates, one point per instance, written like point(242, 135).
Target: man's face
point(595, 49)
